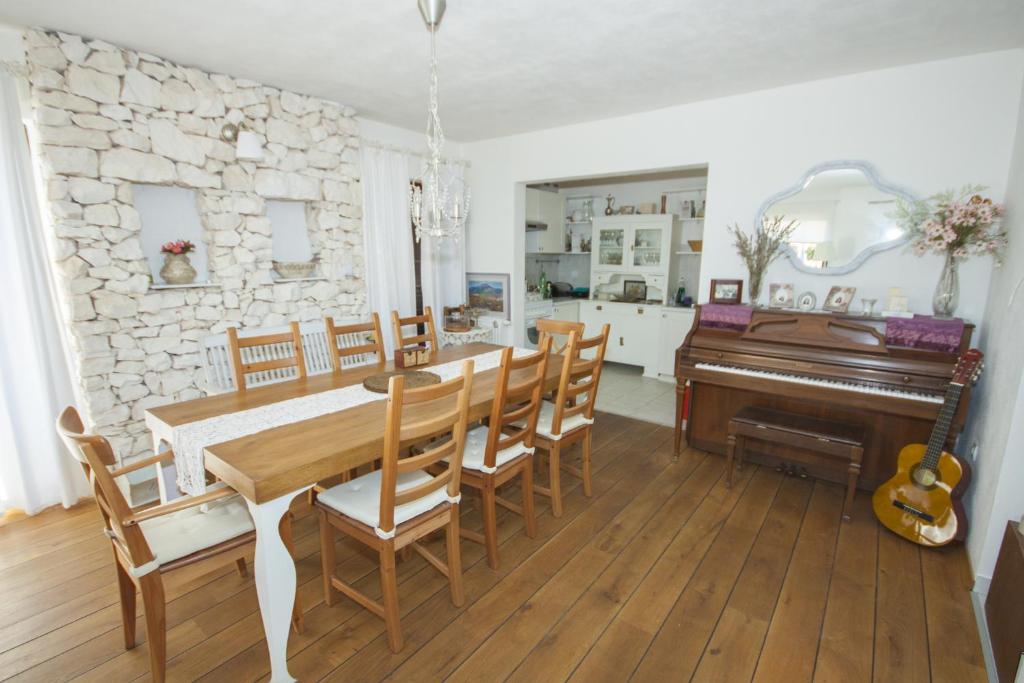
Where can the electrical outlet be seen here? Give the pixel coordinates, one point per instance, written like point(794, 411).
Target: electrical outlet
point(973, 453)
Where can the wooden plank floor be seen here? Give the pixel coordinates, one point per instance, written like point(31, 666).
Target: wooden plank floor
point(664, 574)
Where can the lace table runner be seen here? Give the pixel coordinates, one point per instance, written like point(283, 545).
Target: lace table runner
point(190, 440)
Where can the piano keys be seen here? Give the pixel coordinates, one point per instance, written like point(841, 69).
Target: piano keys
point(825, 365)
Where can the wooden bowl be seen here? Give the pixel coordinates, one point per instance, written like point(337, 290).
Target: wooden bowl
point(696, 245)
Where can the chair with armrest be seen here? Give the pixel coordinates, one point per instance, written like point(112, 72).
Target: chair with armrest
point(170, 544)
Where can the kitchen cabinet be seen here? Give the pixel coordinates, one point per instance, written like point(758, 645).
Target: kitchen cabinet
point(567, 310)
point(634, 332)
point(675, 325)
point(548, 208)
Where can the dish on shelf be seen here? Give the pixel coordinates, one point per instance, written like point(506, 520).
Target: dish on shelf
point(696, 245)
point(291, 270)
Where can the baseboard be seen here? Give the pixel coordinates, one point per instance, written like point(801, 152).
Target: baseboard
point(978, 602)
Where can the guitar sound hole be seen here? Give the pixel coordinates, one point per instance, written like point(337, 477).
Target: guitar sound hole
point(924, 478)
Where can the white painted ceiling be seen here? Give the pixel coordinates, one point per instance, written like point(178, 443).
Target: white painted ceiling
point(522, 65)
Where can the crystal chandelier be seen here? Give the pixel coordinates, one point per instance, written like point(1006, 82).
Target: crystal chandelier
point(438, 202)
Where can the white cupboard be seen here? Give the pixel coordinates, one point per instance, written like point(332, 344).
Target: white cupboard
point(567, 310)
point(548, 208)
point(675, 325)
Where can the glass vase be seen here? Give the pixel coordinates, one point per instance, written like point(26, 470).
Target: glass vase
point(754, 287)
point(947, 290)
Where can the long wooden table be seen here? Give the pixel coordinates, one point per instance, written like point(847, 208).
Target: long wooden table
point(271, 467)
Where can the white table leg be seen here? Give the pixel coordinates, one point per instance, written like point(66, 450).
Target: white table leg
point(275, 580)
point(166, 473)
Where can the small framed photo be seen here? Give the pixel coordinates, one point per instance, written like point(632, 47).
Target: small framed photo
point(726, 291)
point(634, 290)
point(780, 295)
point(489, 291)
point(806, 301)
point(627, 210)
point(839, 298)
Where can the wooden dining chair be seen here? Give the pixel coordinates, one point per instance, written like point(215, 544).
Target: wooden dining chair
point(503, 450)
point(270, 355)
point(156, 548)
point(355, 344)
point(395, 506)
point(428, 337)
point(560, 328)
point(569, 418)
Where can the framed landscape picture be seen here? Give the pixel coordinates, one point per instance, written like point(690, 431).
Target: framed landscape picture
point(489, 292)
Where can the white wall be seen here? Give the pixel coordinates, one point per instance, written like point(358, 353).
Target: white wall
point(927, 127)
point(998, 405)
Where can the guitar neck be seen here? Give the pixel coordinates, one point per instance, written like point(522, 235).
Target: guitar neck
point(941, 429)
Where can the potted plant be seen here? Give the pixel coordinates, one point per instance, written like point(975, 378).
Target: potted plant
point(954, 224)
point(759, 250)
point(177, 270)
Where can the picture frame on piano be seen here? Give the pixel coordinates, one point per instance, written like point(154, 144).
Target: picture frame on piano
point(780, 295)
point(839, 298)
point(726, 291)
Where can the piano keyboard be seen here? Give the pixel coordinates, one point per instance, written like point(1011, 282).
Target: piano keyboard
point(826, 383)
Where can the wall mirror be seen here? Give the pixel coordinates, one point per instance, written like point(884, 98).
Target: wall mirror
point(842, 210)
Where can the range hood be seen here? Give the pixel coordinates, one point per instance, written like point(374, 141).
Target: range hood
point(535, 226)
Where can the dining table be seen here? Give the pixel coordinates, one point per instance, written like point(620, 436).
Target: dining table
point(269, 468)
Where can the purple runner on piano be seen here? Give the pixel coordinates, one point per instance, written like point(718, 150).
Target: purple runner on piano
point(726, 316)
point(925, 332)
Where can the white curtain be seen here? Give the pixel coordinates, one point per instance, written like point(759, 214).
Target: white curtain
point(387, 236)
point(35, 384)
point(443, 265)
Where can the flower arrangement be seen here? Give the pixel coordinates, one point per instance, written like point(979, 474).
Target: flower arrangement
point(954, 223)
point(759, 250)
point(179, 247)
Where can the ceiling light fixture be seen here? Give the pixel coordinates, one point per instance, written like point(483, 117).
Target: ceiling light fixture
point(439, 206)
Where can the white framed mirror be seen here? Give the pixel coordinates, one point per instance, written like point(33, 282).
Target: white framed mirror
point(842, 211)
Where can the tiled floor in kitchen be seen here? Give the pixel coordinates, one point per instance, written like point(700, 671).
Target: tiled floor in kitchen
point(625, 391)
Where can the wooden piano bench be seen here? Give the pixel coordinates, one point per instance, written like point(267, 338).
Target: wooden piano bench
point(824, 437)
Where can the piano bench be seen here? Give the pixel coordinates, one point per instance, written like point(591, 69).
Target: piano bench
point(824, 437)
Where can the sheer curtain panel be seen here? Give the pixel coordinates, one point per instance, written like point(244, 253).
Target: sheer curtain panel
point(35, 384)
point(387, 236)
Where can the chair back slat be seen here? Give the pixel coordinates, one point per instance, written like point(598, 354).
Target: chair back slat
point(516, 406)
point(549, 328)
point(412, 416)
point(269, 357)
point(428, 336)
point(356, 344)
point(579, 376)
point(94, 454)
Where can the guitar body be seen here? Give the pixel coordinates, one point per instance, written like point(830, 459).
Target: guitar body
point(922, 506)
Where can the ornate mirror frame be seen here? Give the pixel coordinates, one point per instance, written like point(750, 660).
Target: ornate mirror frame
point(843, 164)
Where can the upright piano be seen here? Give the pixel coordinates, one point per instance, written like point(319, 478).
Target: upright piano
point(818, 364)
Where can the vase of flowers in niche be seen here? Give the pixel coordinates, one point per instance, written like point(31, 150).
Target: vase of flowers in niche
point(177, 269)
point(759, 250)
point(954, 225)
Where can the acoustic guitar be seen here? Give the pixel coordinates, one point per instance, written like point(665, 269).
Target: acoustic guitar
point(921, 502)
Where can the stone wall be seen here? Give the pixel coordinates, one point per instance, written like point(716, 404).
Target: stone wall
point(107, 118)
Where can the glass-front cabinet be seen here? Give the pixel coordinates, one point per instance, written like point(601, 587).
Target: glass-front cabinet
point(648, 248)
point(611, 246)
point(637, 244)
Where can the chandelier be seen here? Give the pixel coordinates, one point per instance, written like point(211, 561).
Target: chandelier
point(438, 201)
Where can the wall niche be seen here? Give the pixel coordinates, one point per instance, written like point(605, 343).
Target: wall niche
point(169, 214)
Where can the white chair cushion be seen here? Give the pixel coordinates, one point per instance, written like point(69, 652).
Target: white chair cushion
point(547, 416)
point(360, 499)
point(476, 445)
point(190, 530)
